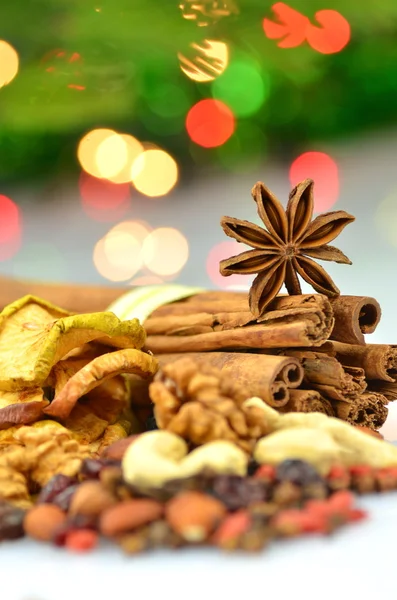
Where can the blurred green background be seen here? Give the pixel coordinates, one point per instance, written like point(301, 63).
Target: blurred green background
point(126, 75)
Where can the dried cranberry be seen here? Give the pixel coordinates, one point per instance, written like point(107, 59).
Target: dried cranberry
point(238, 492)
point(55, 486)
point(63, 499)
point(298, 471)
point(91, 468)
point(11, 522)
point(73, 524)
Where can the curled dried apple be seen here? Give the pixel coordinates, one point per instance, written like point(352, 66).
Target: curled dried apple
point(35, 335)
point(96, 373)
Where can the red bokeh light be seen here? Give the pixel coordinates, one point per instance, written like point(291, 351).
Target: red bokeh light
point(293, 28)
point(219, 252)
point(332, 35)
point(210, 123)
point(10, 228)
point(324, 171)
point(103, 200)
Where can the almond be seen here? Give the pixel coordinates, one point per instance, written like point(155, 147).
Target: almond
point(117, 450)
point(42, 521)
point(194, 515)
point(91, 499)
point(128, 515)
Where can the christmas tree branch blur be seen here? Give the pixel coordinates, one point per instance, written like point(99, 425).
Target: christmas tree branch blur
point(114, 63)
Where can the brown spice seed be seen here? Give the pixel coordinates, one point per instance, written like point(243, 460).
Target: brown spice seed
point(42, 521)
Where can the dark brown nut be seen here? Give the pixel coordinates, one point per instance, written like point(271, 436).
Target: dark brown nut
point(42, 521)
point(129, 515)
point(91, 499)
point(194, 515)
point(117, 450)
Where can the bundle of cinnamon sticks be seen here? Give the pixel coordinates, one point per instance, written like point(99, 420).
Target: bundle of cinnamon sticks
point(306, 353)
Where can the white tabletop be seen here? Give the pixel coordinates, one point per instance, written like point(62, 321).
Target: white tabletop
point(358, 562)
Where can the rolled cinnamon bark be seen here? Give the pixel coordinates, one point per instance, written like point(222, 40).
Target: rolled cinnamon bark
point(379, 361)
point(368, 410)
point(307, 401)
point(354, 317)
point(325, 374)
point(265, 376)
point(294, 321)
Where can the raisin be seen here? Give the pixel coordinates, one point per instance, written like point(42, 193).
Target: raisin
point(63, 499)
point(55, 486)
point(298, 472)
point(11, 522)
point(239, 492)
point(91, 468)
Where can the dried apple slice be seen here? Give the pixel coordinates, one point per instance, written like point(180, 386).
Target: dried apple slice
point(109, 400)
point(22, 406)
point(84, 426)
point(96, 372)
point(34, 336)
point(113, 433)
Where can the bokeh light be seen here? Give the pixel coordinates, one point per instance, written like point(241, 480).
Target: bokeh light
point(111, 156)
point(386, 218)
point(292, 28)
point(205, 13)
point(9, 63)
point(134, 149)
point(88, 147)
point(243, 87)
point(324, 171)
point(210, 123)
point(10, 228)
point(137, 229)
point(332, 35)
point(206, 61)
point(154, 173)
point(117, 256)
point(103, 200)
point(219, 252)
point(165, 251)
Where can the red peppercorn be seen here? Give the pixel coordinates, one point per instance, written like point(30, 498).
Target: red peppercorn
point(360, 470)
point(341, 501)
point(81, 540)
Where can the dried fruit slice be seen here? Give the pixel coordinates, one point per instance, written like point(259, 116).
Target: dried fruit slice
point(96, 372)
point(23, 406)
point(34, 336)
point(84, 426)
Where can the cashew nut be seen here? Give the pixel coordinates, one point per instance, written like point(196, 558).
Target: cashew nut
point(159, 456)
point(312, 445)
point(153, 459)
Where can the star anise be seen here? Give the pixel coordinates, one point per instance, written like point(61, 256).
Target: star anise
point(281, 251)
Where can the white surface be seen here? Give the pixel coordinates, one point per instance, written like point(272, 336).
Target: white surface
point(356, 562)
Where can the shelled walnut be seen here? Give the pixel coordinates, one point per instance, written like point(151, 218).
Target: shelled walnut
point(201, 404)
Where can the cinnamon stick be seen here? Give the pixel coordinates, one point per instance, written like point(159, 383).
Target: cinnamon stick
point(294, 321)
point(307, 401)
point(325, 374)
point(368, 410)
point(354, 317)
point(379, 361)
point(265, 376)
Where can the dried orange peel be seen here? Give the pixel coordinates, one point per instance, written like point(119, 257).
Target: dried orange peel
point(35, 335)
point(96, 372)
